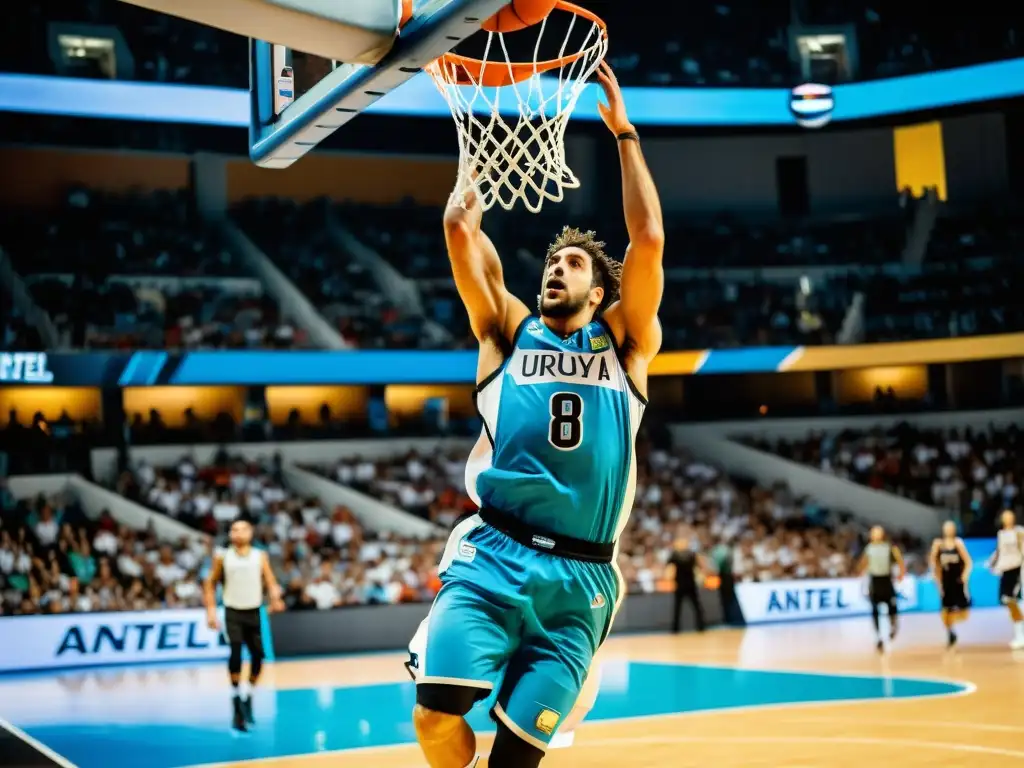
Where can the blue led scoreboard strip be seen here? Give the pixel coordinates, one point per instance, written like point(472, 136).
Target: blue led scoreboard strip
point(198, 105)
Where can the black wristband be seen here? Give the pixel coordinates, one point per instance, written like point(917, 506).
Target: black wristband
point(629, 136)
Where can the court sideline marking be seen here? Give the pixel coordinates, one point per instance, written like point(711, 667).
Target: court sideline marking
point(864, 741)
point(37, 745)
point(967, 689)
point(994, 727)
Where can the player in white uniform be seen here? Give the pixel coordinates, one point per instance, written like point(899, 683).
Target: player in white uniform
point(1007, 561)
point(244, 571)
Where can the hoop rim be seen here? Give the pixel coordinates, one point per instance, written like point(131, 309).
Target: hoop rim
point(455, 69)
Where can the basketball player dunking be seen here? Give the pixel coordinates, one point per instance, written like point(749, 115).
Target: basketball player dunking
point(1007, 561)
point(529, 584)
point(244, 571)
point(951, 566)
point(878, 560)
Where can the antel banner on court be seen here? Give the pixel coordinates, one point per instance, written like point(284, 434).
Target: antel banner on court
point(93, 639)
point(813, 599)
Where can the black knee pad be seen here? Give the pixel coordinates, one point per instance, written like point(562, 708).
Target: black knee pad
point(510, 751)
point(449, 699)
point(235, 659)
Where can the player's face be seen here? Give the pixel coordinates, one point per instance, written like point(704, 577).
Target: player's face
point(568, 284)
point(877, 534)
point(949, 530)
point(1009, 519)
point(240, 534)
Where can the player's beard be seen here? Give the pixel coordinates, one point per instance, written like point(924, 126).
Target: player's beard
point(563, 307)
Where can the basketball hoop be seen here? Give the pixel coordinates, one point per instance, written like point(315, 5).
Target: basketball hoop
point(521, 158)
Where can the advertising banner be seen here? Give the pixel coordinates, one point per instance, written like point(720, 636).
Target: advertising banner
point(813, 599)
point(98, 639)
point(363, 367)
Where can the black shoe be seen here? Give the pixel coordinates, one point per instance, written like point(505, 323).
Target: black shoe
point(880, 647)
point(952, 639)
point(238, 718)
point(247, 710)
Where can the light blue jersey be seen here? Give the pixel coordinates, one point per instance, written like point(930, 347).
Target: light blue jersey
point(560, 419)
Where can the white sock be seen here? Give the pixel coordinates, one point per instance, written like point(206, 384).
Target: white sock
point(1018, 629)
point(243, 688)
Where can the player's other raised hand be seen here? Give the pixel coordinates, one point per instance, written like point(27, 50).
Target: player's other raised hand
point(614, 112)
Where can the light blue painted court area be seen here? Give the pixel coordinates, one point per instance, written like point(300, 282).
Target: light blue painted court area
point(167, 718)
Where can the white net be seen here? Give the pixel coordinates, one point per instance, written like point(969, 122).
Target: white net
point(511, 117)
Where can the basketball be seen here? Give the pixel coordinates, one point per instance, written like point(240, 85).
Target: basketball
point(519, 14)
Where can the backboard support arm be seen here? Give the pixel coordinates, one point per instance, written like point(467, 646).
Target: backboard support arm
point(277, 141)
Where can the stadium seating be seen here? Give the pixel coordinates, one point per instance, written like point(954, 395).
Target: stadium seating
point(723, 43)
point(139, 271)
point(54, 559)
point(324, 558)
point(970, 474)
point(772, 533)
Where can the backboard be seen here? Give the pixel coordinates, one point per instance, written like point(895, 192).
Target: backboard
point(360, 50)
point(298, 100)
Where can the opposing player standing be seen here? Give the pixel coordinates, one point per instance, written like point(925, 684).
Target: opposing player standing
point(878, 560)
point(1007, 561)
point(529, 585)
point(244, 570)
point(951, 566)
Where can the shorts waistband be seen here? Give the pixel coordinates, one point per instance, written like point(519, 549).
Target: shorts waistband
point(542, 541)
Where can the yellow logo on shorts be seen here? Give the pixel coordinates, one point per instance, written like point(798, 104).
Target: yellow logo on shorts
point(547, 721)
point(598, 343)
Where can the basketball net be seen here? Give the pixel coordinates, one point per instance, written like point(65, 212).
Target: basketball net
point(516, 151)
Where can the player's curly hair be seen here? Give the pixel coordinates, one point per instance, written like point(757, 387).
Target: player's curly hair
point(607, 271)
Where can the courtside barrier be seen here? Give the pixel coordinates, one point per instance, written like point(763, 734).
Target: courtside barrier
point(64, 641)
point(801, 599)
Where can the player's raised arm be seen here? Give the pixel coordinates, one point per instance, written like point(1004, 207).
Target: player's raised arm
point(643, 275)
point(478, 273)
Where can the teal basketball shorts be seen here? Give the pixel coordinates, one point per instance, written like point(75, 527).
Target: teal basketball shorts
point(519, 622)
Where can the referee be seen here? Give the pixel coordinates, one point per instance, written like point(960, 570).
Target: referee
point(878, 560)
point(244, 571)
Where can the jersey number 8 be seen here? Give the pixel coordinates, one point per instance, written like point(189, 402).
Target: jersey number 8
point(565, 431)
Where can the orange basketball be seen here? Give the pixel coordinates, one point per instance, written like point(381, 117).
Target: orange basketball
point(519, 14)
point(712, 582)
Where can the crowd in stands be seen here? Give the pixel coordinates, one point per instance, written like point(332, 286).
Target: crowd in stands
point(54, 559)
point(139, 271)
point(720, 43)
point(324, 558)
point(772, 533)
point(301, 241)
point(973, 474)
point(969, 284)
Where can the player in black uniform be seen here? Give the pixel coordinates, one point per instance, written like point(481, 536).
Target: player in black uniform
point(951, 566)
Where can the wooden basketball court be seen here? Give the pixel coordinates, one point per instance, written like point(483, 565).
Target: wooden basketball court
point(982, 725)
point(778, 695)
